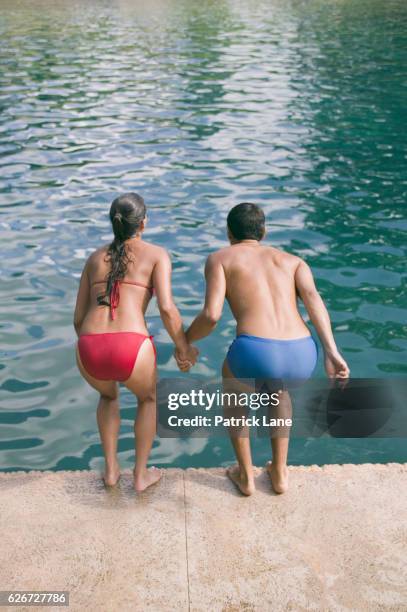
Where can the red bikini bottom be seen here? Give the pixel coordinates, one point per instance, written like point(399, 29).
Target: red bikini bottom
point(111, 356)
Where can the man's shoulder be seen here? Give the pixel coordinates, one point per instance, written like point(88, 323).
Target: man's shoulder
point(217, 258)
point(221, 254)
point(283, 257)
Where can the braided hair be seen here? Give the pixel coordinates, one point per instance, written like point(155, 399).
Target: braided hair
point(126, 214)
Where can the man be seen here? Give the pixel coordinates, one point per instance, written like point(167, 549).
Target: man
point(261, 284)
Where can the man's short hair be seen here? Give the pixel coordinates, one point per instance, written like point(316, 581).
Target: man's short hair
point(246, 222)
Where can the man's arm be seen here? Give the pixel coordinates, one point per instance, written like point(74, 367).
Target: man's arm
point(169, 313)
point(207, 319)
point(335, 365)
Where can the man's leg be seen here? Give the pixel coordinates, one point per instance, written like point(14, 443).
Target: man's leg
point(241, 474)
point(277, 468)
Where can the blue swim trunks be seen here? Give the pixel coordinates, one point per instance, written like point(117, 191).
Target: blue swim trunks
point(253, 357)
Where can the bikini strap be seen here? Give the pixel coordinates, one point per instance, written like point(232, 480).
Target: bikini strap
point(114, 298)
point(154, 349)
point(150, 289)
point(115, 293)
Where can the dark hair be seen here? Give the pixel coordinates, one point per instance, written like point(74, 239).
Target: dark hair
point(126, 214)
point(246, 222)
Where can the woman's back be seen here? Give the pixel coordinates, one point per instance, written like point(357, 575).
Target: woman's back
point(134, 290)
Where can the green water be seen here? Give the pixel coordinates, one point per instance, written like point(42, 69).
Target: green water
point(298, 106)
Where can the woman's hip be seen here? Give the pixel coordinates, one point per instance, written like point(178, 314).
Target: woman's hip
point(111, 355)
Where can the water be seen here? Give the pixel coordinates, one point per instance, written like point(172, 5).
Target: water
point(298, 106)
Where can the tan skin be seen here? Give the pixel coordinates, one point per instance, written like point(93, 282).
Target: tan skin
point(150, 266)
point(261, 285)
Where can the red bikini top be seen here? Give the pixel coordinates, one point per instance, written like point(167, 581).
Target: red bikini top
point(115, 292)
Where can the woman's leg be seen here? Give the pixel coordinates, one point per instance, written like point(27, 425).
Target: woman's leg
point(108, 419)
point(241, 474)
point(142, 383)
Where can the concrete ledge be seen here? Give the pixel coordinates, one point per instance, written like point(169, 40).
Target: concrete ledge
point(336, 541)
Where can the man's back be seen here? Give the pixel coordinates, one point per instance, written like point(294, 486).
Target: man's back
point(260, 289)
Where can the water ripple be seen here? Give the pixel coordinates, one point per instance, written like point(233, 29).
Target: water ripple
point(297, 106)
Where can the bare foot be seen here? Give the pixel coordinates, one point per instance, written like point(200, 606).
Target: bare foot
point(244, 484)
point(148, 478)
point(111, 475)
point(278, 477)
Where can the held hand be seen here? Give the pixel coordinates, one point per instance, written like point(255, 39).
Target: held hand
point(186, 358)
point(336, 366)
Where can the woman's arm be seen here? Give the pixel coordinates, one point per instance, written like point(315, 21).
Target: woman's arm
point(82, 300)
point(335, 365)
point(169, 313)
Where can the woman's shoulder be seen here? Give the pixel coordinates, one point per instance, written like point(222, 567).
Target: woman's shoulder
point(99, 257)
point(98, 254)
point(154, 250)
point(96, 258)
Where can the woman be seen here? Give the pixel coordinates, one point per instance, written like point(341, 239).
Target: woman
point(116, 285)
